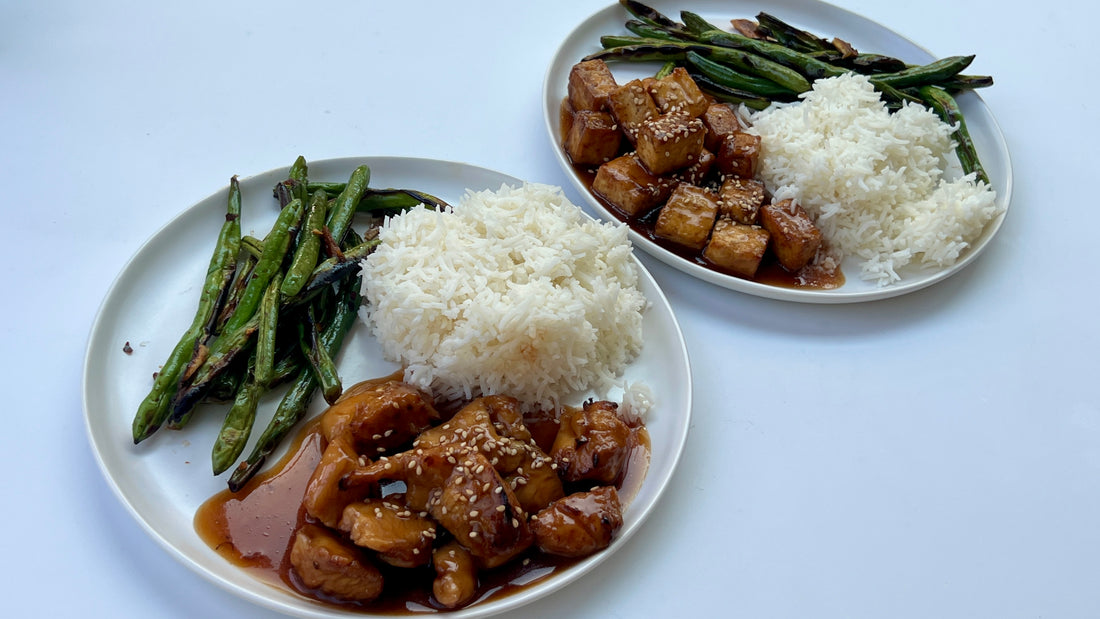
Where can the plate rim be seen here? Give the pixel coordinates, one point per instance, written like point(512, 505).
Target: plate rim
point(658, 480)
point(915, 282)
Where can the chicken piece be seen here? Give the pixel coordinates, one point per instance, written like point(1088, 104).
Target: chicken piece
point(401, 537)
point(720, 120)
point(670, 142)
point(739, 155)
point(379, 416)
point(593, 138)
point(458, 486)
point(455, 581)
point(325, 497)
point(480, 509)
point(592, 444)
point(326, 563)
point(590, 84)
point(579, 524)
point(696, 173)
point(678, 92)
point(795, 238)
point(740, 199)
point(630, 105)
point(492, 425)
point(535, 481)
point(628, 186)
point(688, 216)
point(737, 248)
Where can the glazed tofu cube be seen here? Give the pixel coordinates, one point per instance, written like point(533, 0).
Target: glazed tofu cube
point(697, 173)
point(795, 238)
point(688, 216)
point(590, 83)
point(670, 142)
point(740, 199)
point(735, 247)
point(720, 121)
point(626, 184)
point(630, 105)
point(565, 116)
point(739, 154)
point(593, 138)
point(678, 92)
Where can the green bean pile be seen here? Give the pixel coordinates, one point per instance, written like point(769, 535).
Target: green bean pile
point(272, 311)
point(778, 62)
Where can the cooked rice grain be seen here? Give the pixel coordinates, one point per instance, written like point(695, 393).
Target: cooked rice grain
point(884, 187)
point(509, 292)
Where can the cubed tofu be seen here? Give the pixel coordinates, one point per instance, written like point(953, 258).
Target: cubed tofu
point(678, 92)
point(740, 199)
point(565, 117)
point(795, 237)
point(593, 138)
point(720, 121)
point(736, 247)
point(670, 142)
point(698, 172)
point(688, 216)
point(625, 184)
point(739, 154)
point(631, 105)
point(590, 83)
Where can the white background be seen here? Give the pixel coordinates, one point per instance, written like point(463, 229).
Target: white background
point(934, 455)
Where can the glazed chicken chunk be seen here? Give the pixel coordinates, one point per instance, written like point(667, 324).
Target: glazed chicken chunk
point(326, 497)
point(461, 490)
point(401, 537)
point(325, 562)
point(579, 524)
point(455, 581)
point(592, 444)
point(378, 416)
point(493, 426)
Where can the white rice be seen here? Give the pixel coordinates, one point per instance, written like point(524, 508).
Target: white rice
point(511, 292)
point(884, 187)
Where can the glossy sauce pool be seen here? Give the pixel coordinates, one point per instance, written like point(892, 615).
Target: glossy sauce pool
point(254, 529)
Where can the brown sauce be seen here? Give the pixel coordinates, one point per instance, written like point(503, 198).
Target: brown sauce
point(770, 271)
point(254, 528)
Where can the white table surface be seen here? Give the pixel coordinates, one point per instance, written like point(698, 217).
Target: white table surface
point(934, 455)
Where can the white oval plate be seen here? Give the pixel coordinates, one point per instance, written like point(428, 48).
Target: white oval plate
point(824, 20)
point(163, 481)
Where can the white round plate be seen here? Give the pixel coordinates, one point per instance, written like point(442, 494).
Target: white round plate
point(822, 19)
point(163, 481)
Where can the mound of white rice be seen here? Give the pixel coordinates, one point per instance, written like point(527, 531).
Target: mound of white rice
point(884, 187)
point(512, 292)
